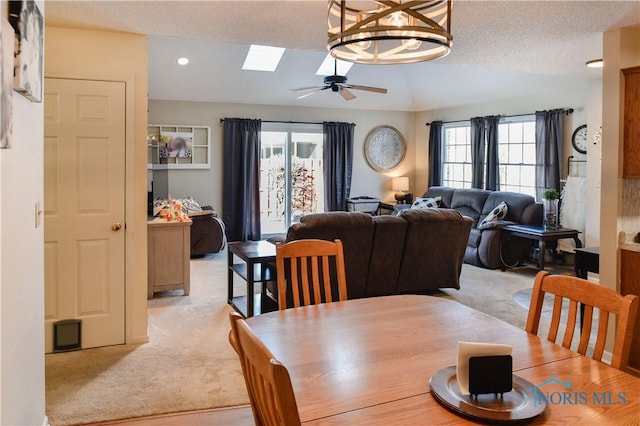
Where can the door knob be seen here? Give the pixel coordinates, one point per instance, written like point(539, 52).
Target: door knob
point(116, 226)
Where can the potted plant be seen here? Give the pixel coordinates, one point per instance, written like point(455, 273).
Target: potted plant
point(550, 198)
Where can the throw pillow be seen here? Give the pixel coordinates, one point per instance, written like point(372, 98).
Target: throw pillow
point(499, 213)
point(190, 205)
point(426, 203)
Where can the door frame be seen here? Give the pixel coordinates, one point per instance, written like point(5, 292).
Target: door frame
point(135, 246)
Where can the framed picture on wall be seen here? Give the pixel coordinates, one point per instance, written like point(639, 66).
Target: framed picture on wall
point(176, 144)
point(6, 82)
point(27, 22)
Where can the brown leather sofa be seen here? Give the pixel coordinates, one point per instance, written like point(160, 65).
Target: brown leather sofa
point(418, 251)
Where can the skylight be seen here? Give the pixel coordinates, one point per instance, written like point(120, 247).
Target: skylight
point(263, 58)
point(327, 66)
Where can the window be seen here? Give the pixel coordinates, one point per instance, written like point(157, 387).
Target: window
point(291, 174)
point(516, 154)
point(456, 156)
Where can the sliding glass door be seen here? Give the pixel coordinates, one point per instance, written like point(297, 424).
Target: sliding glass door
point(291, 177)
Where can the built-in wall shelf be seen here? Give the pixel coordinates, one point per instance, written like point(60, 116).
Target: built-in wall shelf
point(178, 147)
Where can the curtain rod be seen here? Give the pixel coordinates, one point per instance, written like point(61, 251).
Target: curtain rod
point(288, 122)
point(566, 110)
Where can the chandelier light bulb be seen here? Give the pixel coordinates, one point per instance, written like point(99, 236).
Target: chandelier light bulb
point(364, 44)
point(397, 19)
point(362, 36)
point(412, 44)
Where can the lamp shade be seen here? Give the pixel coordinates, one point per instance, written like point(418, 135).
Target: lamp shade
point(400, 183)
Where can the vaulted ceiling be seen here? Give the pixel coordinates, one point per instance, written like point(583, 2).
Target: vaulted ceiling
point(502, 49)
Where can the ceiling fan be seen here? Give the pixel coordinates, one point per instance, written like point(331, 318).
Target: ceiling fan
point(338, 83)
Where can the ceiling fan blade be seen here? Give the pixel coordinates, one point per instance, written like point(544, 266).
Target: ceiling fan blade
point(368, 88)
point(317, 89)
point(347, 94)
point(307, 88)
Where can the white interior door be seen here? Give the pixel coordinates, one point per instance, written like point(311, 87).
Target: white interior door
point(84, 205)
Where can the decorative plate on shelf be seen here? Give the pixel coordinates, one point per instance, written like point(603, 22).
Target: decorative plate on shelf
point(384, 148)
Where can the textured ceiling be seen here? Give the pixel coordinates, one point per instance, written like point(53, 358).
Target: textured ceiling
point(501, 49)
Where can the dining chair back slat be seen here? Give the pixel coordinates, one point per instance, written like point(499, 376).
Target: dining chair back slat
point(308, 272)
point(591, 295)
point(268, 382)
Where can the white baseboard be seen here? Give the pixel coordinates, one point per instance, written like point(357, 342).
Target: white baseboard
point(45, 421)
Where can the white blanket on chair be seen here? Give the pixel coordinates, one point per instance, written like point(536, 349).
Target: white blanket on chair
point(572, 209)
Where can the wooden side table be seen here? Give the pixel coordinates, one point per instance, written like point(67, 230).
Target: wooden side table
point(587, 260)
point(542, 235)
point(168, 251)
point(255, 257)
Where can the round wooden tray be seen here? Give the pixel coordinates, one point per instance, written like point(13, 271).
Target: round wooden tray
point(516, 406)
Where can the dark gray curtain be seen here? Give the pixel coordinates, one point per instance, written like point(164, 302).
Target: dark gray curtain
point(338, 164)
point(493, 169)
point(549, 130)
point(241, 183)
point(435, 154)
point(477, 152)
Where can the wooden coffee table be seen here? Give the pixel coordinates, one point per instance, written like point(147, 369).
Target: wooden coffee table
point(542, 235)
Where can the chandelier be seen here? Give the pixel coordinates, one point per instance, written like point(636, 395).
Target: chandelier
point(389, 31)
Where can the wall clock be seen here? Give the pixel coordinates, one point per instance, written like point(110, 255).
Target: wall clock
point(384, 148)
point(579, 139)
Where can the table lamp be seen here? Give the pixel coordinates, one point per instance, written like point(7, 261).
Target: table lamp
point(401, 186)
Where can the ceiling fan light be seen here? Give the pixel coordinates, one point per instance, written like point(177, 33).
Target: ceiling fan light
point(595, 63)
point(389, 31)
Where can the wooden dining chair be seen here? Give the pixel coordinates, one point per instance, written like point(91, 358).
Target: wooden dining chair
point(590, 295)
point(268, 383)
point(306, 271)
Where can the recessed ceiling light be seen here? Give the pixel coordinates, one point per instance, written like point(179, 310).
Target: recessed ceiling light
point(596, 63)
point(183, 61)
point(263, 58)
point(328, 66)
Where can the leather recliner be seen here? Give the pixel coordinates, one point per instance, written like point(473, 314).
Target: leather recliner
point(418, 251)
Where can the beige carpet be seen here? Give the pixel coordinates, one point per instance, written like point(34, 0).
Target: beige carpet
point(188, 363)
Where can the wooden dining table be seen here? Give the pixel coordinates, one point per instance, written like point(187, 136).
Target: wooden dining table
point(369, 361)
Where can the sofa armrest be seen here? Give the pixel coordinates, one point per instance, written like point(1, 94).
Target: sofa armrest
point(280, 238)
point(532, 215)
point(489, 248)
point(496, 224)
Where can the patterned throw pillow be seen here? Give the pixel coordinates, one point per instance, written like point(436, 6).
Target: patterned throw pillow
point(498, 213)
point(190, 205)
point(426, 203)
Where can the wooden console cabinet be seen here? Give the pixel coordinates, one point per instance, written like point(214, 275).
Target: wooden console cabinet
point(631, 137)
point(169, 248)
point(630, 284)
